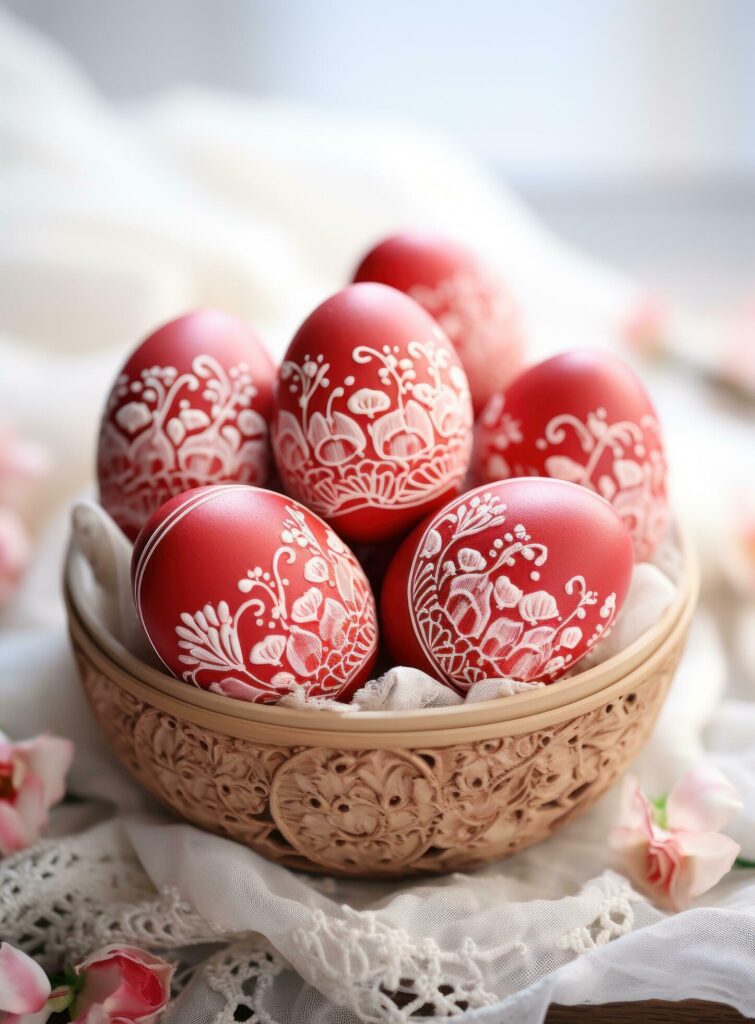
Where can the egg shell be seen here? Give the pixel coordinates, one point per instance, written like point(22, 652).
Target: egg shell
point(582, 416)
point(373, 420)
point(518, 579)
point(475, 309)
point(244, 592)
point(190, 407)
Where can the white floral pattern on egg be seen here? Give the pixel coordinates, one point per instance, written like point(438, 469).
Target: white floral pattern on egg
point(519, 579)
point(246, 593)
point(584, 417)
point(373, 419)
point(189, 408)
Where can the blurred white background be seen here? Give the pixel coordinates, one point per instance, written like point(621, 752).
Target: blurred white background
point(571, 91)
point(629, 124)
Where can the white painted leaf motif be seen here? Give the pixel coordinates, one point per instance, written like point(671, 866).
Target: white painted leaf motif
point(419, 422)
point(304, 651)
point(537, 606)
point(336, 442)
point(502, 634)
point(526, 663)
point(194, 419)
point(498, 468)
point(333, 623)
point(554, 665)
point(175, 431)
point(401, 435)
point(250, 423)
point(334, 542)
point(133, 416)
point(367, 402)
point(424, 393)
point(236, 688)
point(570, 637)
point(232, 436)
point(432, 544)
point(291, 445)
point(468, 603)
point(269, 650)
point(307, 607)
point(608, 607)
point(459, 379)
point(446, 413)
point(563, 468)
point(283, 681)
point(607, 487)
point(505, 593)
point(538, 636)
point(470, 560)
point(628, 472)
point(345, 581)
point(316, 570)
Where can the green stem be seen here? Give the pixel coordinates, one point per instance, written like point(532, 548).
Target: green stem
point(660, 811)
point(741, 862)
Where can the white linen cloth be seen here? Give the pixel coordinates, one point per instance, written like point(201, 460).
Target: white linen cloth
point(112, 222)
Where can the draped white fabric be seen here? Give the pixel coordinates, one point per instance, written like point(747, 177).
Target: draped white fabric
point(113, 221)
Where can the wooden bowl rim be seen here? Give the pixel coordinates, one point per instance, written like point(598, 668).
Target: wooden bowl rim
point(427, 737)
point(525, 709)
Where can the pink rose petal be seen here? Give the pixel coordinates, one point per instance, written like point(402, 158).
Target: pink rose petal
point(24, 986)
point(703, 800)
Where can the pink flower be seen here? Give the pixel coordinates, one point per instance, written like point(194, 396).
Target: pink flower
point(22, 464)
point(32, 776)
point(24, 987)
point(644, 330)
point(15, 549)
point(122, 984)
point(672, 848)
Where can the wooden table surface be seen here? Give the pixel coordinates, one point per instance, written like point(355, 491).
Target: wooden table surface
point(653, 1011)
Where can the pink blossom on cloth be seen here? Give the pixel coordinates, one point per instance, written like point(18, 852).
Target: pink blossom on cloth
point(122, 983)
point(15, 550)
point(672, 848)
point(24, 987)
point(22, 464)
point(32, 780)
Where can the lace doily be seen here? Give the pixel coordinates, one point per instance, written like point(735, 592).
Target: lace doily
point(410, 951)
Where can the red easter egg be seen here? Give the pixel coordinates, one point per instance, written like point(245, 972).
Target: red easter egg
point(582, 416)
point(190, 407)
point(518, 579)
point(372, 426)
point(247, 593)
point(476, 310)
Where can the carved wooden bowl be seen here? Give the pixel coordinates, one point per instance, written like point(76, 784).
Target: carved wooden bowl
point(380, 793)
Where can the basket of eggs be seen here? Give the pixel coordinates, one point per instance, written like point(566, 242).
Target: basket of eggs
point(389, 528)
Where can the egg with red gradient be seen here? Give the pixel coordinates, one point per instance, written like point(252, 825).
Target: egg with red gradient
point(582, 416)
point(190, 407)
point(474, 307)
point(372, 426)
point(246, 593)
point(518, 579)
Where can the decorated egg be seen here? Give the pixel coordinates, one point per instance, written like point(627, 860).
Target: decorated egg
point(518, 579)
point(190, 407)
point(372, 424)
point(474, 308)
point(582, 416)
point(246, 593)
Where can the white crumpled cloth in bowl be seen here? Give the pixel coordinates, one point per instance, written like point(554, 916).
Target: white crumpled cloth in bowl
point(114, 221)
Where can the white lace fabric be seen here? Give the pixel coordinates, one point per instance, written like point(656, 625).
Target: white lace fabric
point(256, 934)
point(122, 222)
